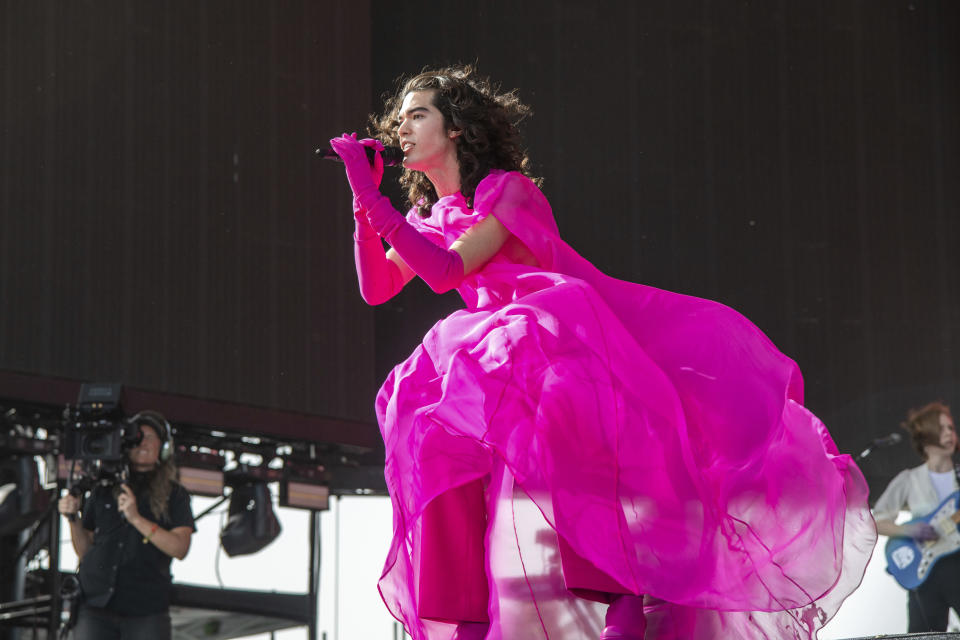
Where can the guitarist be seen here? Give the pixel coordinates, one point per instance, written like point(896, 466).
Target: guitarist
point(920, 490)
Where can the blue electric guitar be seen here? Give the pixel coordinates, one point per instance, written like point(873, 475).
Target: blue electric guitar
point(909, 561)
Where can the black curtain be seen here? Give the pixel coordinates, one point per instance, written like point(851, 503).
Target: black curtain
point(794, 159)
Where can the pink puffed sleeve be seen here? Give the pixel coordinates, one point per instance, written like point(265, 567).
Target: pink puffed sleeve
point(522, 208)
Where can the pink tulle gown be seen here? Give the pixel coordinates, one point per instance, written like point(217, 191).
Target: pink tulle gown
point(568, 436)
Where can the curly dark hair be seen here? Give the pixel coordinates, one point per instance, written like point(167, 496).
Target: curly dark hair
point(487, 118)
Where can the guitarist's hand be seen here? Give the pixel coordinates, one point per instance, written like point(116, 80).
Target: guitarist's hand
point(920, 531)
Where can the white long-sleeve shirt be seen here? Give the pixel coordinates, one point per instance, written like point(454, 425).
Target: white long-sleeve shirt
point(911, 488)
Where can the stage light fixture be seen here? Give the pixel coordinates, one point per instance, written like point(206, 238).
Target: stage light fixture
point(252, 523)
point(201, 473)
point(305, 487)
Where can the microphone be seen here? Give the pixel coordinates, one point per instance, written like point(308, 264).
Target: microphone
point(392, 156)
point(887, 441)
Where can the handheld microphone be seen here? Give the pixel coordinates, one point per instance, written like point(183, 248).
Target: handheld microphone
point(392, 156)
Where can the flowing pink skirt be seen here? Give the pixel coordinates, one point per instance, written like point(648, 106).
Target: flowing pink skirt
point(540, 458)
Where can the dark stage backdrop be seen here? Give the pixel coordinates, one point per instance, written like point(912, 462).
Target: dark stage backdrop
point(163, 222)
point(797, 160)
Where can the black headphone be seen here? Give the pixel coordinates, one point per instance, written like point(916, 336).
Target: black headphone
point(156, 420)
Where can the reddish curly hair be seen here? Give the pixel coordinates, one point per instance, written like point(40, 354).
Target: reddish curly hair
point(923, 425)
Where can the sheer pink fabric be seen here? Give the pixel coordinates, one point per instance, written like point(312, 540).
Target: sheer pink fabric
point(625, 440)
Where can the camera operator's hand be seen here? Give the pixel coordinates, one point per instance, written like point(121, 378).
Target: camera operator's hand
point(69, 505)
point(127, 504)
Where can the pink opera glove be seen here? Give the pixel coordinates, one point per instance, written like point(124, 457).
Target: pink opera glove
point(364, 180)
point(376, 172)
point(379, 277)
point(441, 269)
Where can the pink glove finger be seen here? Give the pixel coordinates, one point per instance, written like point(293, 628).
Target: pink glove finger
point(377, 169)
point(348, 148)
point(373, 143)
point(358, 170)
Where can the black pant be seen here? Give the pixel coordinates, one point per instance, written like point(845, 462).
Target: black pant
point(929, 604)
point(98, 624)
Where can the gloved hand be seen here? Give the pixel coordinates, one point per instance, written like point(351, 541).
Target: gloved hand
point(363, 230)
point(440, 268)
point(376, 169)
point(364, 180)
point(377, 172)
point(920, 531)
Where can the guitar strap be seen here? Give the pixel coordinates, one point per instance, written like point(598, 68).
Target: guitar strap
point(956, 470)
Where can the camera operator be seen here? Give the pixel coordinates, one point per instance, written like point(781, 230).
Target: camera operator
point(126, 539)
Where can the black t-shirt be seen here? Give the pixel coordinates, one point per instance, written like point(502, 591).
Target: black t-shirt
point(120, 572)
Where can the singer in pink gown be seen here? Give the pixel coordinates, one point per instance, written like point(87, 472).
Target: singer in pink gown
point(569, 441)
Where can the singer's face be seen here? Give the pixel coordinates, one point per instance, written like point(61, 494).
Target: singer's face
point(427, 144)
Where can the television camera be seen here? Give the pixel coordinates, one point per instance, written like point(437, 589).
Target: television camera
point(97, 437)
